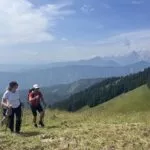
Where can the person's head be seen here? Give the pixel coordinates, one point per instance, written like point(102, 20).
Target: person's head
point(13, 86)
point(36, 87)
point(31, 90)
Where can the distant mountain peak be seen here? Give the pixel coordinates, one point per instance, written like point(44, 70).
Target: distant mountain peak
point(135, 53)
point(132, 57)
point(96, 58)
point(98, 61)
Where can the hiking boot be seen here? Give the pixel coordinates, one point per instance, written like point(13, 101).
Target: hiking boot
point(17, 132)
point(41, 124)
point(35, 125)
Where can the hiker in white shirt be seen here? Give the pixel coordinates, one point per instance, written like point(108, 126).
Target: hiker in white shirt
point(11, 100)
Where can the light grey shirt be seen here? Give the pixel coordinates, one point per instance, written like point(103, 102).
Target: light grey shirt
point(13, 98)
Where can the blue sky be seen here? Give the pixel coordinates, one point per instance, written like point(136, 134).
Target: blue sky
point(41, 31)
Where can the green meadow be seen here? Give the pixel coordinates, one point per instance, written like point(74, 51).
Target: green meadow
point(120, 124)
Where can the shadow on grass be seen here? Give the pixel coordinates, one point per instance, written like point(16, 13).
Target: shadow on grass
point(53, 127)
point(30, 134)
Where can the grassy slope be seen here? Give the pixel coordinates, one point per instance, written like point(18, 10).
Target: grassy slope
point(134, 101)
point(122, 123)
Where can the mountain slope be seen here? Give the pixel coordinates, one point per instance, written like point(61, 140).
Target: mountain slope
point(104, 91)
point(121, 124)
point(137, 100)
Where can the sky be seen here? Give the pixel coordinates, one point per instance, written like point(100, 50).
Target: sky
point(43, 31)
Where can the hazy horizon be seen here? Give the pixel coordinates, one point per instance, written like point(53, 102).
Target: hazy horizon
point(73, 60)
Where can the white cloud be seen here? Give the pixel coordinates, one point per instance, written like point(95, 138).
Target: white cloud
point(130, 36)
point(22, 22)
point(122, 43)
point(137, 2)
point(87, 9)
point(75, 50)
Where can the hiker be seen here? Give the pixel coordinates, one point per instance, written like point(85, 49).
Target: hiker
point(11, 101)
point(35, 99)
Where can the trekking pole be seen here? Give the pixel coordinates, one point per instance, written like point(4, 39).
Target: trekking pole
point(7, 123)
point(22, 111)
point(8, 114)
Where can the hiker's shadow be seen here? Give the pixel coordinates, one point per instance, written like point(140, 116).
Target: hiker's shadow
point(30, 134)
point(52, 127)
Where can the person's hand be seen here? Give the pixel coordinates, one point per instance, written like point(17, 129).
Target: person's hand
point(37, 97)
point(9, 106)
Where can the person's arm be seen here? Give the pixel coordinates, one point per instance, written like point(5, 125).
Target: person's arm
point(32, 98)
point(4, 102)
point(21, 103)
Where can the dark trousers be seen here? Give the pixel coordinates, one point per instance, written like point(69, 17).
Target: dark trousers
point(16, 112)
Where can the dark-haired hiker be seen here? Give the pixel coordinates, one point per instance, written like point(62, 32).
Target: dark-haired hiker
point(35, 99)
point(11, 100)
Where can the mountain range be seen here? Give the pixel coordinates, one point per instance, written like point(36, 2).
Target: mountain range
point(68, 72)
point(111, 61)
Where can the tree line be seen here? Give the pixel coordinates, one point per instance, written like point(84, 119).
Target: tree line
point(105, 91)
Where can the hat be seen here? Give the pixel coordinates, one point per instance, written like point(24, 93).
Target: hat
point(36, 86)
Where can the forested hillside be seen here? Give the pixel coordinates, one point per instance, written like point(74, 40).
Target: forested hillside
point(104, 91)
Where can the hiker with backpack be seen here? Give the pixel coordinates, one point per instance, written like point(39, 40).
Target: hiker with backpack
point(35, 99)
point(12, 107)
